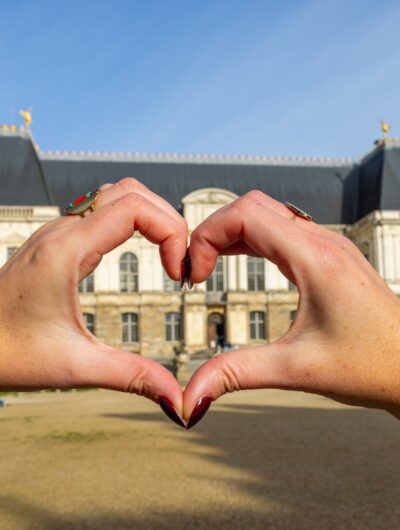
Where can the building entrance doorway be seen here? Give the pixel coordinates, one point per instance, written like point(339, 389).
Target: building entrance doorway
point(216, 330)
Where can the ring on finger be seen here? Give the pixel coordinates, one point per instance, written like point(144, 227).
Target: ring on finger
point(83, 205)
point(298, 212)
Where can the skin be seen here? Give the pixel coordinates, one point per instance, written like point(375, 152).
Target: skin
point(345, 340)
point(44, 342)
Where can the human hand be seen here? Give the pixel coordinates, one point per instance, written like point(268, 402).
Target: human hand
point(345, 340)
point(44, 342)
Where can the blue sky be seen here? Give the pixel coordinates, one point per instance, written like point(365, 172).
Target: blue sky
point(305, 78)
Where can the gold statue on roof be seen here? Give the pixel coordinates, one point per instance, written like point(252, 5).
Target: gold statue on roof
point(385, 128)
point(27, 115)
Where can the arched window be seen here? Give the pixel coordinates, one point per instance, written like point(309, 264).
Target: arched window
point(215, 282)
point(87, 284)
point(257, 325)
point(255, 274)
point(128, 273)
point(89, 321)
point(173, 328)
point(170, 286)
point(130, 328)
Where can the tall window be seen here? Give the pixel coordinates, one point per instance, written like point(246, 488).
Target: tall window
point(128, 272)
point(130, 329)
point(173, 328)
point(215, 282)
point(255, 274)
point(257, 325)
point(87, 284)
point(89, 321)
point(170, 286)
point(11, 251)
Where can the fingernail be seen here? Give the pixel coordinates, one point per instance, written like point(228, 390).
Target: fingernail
point(183, 273)
point(199, 411)
point(186, 269)
point(169, 410)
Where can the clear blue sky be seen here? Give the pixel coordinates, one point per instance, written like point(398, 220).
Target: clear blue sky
point(277, 77)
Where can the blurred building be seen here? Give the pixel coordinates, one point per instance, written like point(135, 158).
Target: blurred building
point(129, 301)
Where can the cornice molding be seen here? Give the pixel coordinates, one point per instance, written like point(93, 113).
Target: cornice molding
point(174, 158)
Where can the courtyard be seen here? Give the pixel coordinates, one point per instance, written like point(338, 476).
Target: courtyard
point(94, 460)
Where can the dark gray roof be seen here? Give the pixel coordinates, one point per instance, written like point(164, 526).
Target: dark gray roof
point(333, 191)
point(316, 189)
point(22, 181)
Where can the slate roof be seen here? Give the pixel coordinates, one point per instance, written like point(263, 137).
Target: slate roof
point(333, 191)
point(22, 181)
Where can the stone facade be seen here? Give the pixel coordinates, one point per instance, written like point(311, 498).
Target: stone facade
point(164, 316)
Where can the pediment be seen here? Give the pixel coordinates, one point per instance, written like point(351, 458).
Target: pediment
point(209, 196)
point(13, 239)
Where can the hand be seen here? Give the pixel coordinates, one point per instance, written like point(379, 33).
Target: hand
point(44, 342)
point(345, 340)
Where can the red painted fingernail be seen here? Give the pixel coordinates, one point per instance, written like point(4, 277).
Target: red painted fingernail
point(199, 411)
point(183, 273)
point(169, 410)
point(186, 269)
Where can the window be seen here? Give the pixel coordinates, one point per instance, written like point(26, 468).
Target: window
point(173, 327)
point(255, 274)
point(128, 272)
point(215, 282)
point(257, 325)
point(130, 331)
point(11, 251)
point(87, 284)
point(170, 286)
point(89, 321)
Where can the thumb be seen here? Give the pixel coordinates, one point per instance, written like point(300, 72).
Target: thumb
point(107, 367)
point(249, 368)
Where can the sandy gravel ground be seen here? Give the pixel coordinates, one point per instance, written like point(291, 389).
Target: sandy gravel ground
point(259, 460)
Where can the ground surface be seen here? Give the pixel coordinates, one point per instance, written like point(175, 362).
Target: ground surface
point(259, 460)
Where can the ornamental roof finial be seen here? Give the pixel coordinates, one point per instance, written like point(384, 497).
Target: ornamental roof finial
point(385, 129)
point(27, 115)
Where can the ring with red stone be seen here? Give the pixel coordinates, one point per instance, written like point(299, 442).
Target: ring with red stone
point(82, 205)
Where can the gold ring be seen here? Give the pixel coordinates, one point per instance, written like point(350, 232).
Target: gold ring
point(83, 205)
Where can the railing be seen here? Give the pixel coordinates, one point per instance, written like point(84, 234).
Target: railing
point(16, 211)
point(339, 229)
point(215, 298)
point(29, 213)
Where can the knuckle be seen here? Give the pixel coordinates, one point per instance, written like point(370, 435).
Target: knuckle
point(139, 384)
point(256, 196)
point(229, 379)
point(329, 257)
point(45, 249)
point(131, 200)
point(129, 184)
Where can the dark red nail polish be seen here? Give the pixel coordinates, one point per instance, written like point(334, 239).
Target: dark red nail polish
point(183, 273)
point(169, 410)
point(186, 269)
point(199, 411)
point(188, 264)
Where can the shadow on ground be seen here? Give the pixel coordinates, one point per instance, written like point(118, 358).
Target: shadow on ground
point(321, 469)
point(326, 468)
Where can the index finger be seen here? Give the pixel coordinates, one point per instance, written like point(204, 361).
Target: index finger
point(112, 224)
point(264, 230)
